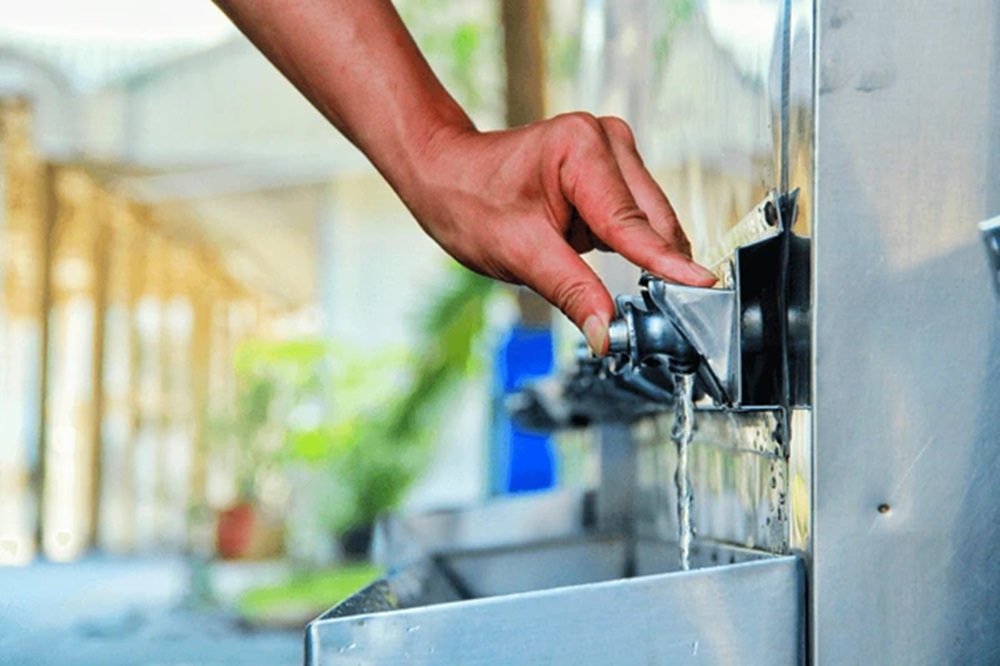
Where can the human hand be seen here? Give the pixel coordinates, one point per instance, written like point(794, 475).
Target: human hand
point(521, 205)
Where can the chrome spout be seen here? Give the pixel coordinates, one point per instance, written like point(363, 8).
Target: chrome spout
point(693, 328)
point(640, 332)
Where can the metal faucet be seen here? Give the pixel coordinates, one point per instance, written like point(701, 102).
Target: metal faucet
point(747, 341)
point(690, 329)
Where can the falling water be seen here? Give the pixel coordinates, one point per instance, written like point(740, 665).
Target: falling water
point(681, 434)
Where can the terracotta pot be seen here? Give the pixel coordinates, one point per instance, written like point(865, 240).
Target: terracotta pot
point(234, 531)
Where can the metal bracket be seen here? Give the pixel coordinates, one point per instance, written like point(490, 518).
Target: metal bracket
point(990, 229)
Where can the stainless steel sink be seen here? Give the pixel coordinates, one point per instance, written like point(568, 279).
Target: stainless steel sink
point(563, 601)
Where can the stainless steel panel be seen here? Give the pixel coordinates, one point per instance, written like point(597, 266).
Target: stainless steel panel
point(739, 477)
point(617, 482)
point(907, 353)
point(750, 613)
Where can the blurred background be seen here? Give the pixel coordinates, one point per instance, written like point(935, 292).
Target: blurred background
point(225, 347)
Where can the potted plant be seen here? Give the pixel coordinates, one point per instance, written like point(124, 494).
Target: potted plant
point(270, 380)
point(365, 421)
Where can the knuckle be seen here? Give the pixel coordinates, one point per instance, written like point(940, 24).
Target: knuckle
point(580, 126)
point(618, 130)
point(681, 243)
point(626, 216)
point(571, 293)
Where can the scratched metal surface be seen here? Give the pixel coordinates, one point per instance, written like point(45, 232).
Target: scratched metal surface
point(907, 353)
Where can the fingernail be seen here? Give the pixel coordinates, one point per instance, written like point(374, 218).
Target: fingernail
point(596, 332)
point(701, 272)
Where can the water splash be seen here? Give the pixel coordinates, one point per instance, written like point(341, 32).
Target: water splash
point(681, 434)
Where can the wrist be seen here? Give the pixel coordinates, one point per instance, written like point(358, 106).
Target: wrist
point(416, 163)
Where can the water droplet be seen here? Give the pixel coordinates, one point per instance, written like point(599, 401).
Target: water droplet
point(410, 630)
point(694, 649)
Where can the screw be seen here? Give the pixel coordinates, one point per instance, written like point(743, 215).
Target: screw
point(770, 214)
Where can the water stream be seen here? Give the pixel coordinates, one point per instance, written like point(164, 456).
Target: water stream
point(681, 435)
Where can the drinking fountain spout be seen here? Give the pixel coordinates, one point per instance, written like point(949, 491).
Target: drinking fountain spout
point(690, 329)
point(747, 341)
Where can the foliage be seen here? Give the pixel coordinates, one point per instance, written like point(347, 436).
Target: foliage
point(270, 380)
point(376, 451)
point(366, 420)
point(306, 594)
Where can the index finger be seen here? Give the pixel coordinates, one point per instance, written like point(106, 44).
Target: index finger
point(646, 192)
point(592, 181)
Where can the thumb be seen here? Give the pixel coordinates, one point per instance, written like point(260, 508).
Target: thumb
point(560, 276)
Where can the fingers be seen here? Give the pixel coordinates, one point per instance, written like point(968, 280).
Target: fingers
point(590, 178)
point(647, 194)
point(553, 269)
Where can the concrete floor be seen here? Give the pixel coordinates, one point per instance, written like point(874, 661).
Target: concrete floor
point(110, 612)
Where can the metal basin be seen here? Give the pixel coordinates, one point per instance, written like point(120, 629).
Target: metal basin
point(565, 602)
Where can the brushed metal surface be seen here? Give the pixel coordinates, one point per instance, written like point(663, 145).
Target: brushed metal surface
point(889, 124)
point(906, 497)
point(500, 522)
point(748, 613)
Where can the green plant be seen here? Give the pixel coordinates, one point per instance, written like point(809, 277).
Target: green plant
point(304, 595)
point(378, 447)
point(366, 421)
point(271, 379)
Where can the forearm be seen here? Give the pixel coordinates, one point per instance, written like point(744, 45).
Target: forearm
point(356, 62)
point(518, 205)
